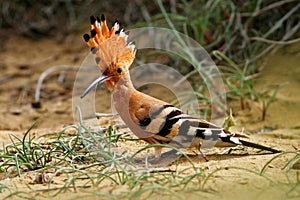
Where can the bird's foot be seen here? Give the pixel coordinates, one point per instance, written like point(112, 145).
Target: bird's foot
point(153, 161)
point(202, 155)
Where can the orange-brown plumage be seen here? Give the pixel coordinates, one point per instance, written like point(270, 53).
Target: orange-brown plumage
point(153, 120)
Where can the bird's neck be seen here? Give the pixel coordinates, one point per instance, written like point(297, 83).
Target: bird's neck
point(122, 91)
point(127, 102)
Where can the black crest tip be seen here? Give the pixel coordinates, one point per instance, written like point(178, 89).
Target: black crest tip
point(86, 37)
point(92, 19)
point(98, 19)
point(93, 33)
point(102, 18)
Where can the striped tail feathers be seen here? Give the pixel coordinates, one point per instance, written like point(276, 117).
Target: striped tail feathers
point(208, 132)
point(109, 46)
point(236, 139)
point(258, 146)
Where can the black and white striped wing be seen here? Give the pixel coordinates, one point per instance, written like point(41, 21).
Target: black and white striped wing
point(169, 125)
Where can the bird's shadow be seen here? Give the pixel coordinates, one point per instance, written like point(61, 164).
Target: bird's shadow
point(173, 156)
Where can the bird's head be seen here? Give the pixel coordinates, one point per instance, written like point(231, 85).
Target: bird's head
point(111, 51)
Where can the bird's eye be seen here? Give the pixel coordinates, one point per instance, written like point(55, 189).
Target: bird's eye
point(119, 70)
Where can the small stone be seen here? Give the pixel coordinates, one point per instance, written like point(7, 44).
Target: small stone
point(16, 111)
point(42, 178)
point(36, 104)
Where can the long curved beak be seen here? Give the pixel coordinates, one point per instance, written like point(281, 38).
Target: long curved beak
point(99, 80)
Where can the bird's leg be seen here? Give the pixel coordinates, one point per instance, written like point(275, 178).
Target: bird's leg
point(157, 152)
point(157, 156)
point(202, 155)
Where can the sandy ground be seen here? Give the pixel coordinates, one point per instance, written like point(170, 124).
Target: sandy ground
point(22, 61)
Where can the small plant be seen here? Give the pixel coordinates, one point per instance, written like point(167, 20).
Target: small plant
point(240, 84)
point(29, 153)
point(229, 121)
point(266, 100)
point(238, 80)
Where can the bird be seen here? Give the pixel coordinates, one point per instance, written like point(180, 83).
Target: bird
point(149, 118)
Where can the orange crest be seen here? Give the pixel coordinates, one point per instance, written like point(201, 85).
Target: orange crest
point(109, 47)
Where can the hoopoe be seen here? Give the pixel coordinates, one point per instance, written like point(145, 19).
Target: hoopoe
point(150, 119)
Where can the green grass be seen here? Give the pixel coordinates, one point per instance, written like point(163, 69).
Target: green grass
point(237, 34)
point(232, 28)
point(85, 160)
